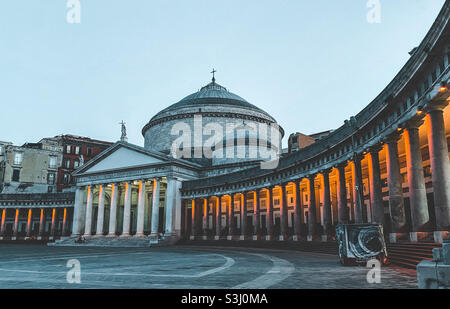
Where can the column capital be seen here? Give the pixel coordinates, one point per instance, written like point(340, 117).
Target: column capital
point(375, 148)
point(436, 106)
point(413, 123)
point(393, 138)
point(341, 165)
point(326, 171)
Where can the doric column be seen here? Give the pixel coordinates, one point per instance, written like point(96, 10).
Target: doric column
point(205, 217)
point(298, 219)
point(312, 208)
point(141, 209)
point(54, 222)
point(269, 216)
point(78, 213)
point(127, 210)
point(256, 215)
point(358, 192)
point(440, 166)
point(155, 209)
point(170, 206)
point(29, 221)
point(396, 203)
point(64, 226)
point(327, 219)
point(113, 210)
point(194, 225)
point(218, 217)
point(88, 221)
point(416, 180)
point(42, 223)
point(244, 216)
point(376, 196)
point(3, 223)
point(16, 223)
point(283, 212)
point(342, 195)
point(213, 214)
point(232, 221)
point(101, 210)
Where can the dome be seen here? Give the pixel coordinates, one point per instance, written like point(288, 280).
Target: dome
point(213, 95)
point(216, 105)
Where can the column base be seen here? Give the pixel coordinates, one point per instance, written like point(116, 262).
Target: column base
point(205, 237)
point(40, 237)
point(310, 238)
point(14, 238)
point(52, 237)
point(395, 237)
point(1, 237)
point(139, 235)
point(418, 236)
point(154, 239)
point(216, 237)
point(242, 237)
point(296, 238)
point(269, 237)
point(125, 235)
point(257, 237)
point(27, 238)
point(111, 235)
point(440, 236)
point(325, 238)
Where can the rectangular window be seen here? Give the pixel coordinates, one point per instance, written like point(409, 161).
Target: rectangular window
point(1, 150)
point(52, 162)
point(76, 164)
point(89, 152)
point(18, 158)
point(77, 150)
point(68, 148)
point(16, 175)
point(67, 163)
point(51, 178)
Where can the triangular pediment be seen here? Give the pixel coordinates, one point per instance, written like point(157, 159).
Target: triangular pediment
point(121, 158)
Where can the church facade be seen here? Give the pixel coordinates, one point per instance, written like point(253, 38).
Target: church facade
point(388, 164)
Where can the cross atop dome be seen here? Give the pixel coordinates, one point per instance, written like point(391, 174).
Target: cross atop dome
point(214, 77)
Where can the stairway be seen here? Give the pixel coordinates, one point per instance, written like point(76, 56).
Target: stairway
point(408, 255)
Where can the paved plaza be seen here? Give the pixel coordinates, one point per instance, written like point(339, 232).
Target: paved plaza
point(42, 267)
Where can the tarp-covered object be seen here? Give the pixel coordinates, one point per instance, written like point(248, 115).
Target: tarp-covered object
point(360, 242)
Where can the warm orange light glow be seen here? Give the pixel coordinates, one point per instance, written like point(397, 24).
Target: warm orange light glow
point(399, 129)
point(443, 89)
point(419, 112)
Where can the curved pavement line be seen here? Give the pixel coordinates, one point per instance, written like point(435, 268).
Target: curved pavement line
point(229, 263)
point(281, 270)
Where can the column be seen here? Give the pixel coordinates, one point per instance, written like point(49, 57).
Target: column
point(312, 209)
point(53, 226)
point(269, 216)
point(101, 210)
point(113, 210)
point(283, 212)
point(127, 211)
point(170, 206)
point(194, 218)
point(29, 221)
point(218, 217)
point(358, 189)
point(298, 219)
point(232, 221)
point(440, 166)
point(244, 216)
point(3, 223)
point(213, 214)
point(205, 218)
point(88, 224)
point(327, 218)
point(141, 209)
point(16, 224)
point(376, 195)
point(78, 213)
point(256, 216)
point(342, 195)
point(42, 224)
point(64, 226)
point(396, 203)
point(155, 209)
point(416, 180)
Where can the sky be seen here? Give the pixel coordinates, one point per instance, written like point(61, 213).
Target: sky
point(310, 64)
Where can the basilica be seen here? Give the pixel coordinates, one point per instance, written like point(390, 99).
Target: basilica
point(389, 164)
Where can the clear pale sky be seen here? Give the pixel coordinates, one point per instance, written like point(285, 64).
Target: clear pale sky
point(310, 64)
